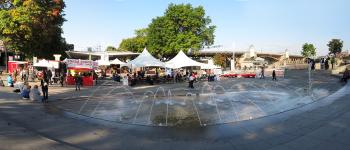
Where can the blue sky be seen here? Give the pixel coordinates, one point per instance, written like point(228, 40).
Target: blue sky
point(270, 25)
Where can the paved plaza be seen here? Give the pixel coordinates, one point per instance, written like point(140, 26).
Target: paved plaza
point(228, 114)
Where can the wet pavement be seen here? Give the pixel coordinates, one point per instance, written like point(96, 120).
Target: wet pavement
point(211, 103)
point(321, 124)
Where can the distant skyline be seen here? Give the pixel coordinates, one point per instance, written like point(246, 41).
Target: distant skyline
point(269, 25)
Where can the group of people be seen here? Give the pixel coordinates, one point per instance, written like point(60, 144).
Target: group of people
point(28, 92)
point(32, 93)
point(261, 74)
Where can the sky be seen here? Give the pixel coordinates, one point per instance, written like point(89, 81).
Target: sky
point(269, 25)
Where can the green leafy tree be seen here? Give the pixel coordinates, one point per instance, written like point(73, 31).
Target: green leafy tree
point(111, 48)
point(33, 27)
point(180, 28)
point(335, 46)
point(308, 50)
point(135, 44)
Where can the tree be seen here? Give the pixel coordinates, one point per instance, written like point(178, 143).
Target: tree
point(220, 59)
point(335, 46)
point(180, 28)
point(308, 50)
point(89, 49)
point(134, 44)
point(33, 27)
point(111, 48)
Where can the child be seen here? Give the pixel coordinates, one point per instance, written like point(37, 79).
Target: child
point(25, 92)
point(35, 94)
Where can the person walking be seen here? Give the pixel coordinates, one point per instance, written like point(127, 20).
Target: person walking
point(274, 75)
point(49, 77)
point(78, 81)
point(45, 90)
point(191, 80)
point(62, 78)
point(262, 75)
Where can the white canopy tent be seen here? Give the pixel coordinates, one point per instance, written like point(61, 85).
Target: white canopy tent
point(117, 62)
point(209, 66)
point(103, 63)
point(181, 60)
point(43, 63)
point(145, 59)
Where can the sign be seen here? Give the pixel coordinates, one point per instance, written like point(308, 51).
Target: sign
point(77, 63)
point(55, 64)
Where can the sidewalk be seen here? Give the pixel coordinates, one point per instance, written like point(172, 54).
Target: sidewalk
point(321, 125)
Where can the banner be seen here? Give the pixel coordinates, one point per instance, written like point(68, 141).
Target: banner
point(77, 63)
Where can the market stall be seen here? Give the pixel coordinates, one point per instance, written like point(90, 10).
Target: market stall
point(84, 68)
point(16, 66)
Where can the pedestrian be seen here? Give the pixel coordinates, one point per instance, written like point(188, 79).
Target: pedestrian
point(346, 76)
point(35, 93)
point(326, 65)
point(262, 75)
point(191, 80)
point(62, 78)
point(1, 82)
point(126, 80)
point(31, 75)
point(274, 75)
point(9, 80)
point(21, 74)
point(78, 81)
point(95, 77)
point(45, 90)
point(49, 76)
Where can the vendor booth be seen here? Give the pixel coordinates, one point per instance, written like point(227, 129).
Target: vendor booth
point(52, 65)
point(16, 66)
point(83, 67)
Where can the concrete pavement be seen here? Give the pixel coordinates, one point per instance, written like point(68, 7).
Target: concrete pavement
point(323, 124)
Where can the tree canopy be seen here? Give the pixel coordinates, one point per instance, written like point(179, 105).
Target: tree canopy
point(180, 28)
point(335, 46)
point(111, 48)
point(134, 44)
point(33, 27)
point(308, 50)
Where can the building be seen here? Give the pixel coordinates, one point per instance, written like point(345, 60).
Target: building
point(250, 58)
point(101, 55)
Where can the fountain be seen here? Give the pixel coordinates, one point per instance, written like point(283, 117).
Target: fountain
point(217, 102)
